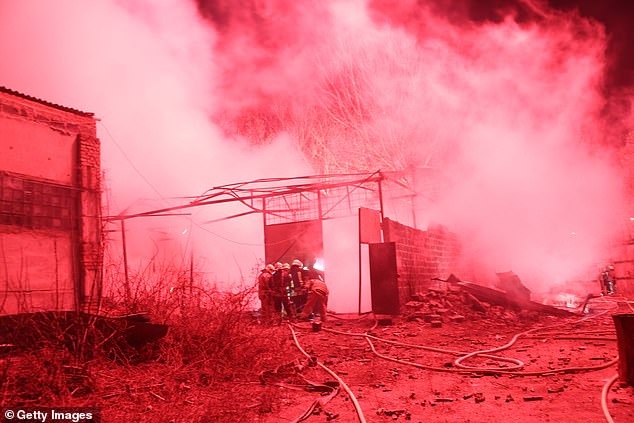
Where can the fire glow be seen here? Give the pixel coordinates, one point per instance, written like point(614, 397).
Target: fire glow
point(510, 113)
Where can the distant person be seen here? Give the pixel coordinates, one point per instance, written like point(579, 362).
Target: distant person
point(265, 293)
point(607, 281)
point(317, 301)
point(610, 280)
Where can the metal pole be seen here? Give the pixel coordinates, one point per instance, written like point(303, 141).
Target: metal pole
point(360, 267)
point(191, 272)
point(125, 262)
point(266, 259)
point(381, 203)
point(413, 202)
point(413, 211)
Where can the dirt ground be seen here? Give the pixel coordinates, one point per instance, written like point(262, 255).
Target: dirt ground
point(390, 391)
point(386, 390)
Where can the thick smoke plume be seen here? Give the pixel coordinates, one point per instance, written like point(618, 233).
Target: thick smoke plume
point(147, 71)
point(510, 113)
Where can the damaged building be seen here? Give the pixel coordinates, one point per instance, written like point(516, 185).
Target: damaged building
point(50, 206)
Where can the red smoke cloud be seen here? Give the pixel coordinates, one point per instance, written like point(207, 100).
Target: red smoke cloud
point(147, 71)
point(510, 111)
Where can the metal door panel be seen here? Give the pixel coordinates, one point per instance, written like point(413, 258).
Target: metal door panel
point(384, 278)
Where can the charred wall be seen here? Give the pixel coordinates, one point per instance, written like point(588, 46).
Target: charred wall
point(50, 205)
point(421, 255)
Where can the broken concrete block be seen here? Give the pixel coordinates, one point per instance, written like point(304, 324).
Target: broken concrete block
point(431, 317)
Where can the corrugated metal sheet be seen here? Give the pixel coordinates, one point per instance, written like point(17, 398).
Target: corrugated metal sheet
point(46, 103)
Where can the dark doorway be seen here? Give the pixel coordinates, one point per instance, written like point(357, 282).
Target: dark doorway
point(384, 278)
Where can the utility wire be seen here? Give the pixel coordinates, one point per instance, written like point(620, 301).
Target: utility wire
point(130, 161)
point(146, 180)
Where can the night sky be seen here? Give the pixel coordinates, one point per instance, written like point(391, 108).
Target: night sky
point(617, 16)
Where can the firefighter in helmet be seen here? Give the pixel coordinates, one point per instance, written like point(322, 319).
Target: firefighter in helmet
point(317, 301)
point(298, 289)
point(281, 282)
point(265, 294)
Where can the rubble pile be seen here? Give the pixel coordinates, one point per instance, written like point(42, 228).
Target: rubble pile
point(454, 304)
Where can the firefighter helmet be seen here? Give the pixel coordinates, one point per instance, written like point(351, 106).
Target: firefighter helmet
point(296, 262)
point(270, 268)
point(286, 266)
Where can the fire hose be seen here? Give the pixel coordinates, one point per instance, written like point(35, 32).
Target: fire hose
point(604, 398)
point(461, 368)
point(357, 407)
point(465, 369)
point(328, 389)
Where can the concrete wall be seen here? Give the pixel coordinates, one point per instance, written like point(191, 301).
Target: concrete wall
point(37, 272)
point(624, 270)
point(421, 255)
point(624, 254)
point(50, 206)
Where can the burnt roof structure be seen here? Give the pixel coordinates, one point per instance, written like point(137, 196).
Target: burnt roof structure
point(301, 198)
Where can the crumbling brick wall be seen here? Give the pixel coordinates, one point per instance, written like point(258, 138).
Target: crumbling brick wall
point(421, 255)
point(81, 171)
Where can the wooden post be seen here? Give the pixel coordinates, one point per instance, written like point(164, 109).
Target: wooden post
point(128, 292)
point(191, 272)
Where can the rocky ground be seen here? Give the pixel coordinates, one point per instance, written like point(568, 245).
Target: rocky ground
point(428, 386)
point(409, 369)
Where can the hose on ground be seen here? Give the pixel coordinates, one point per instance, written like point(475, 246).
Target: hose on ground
point(604, 397)
point(357, 407)
point(518, 363)
point(462, 368)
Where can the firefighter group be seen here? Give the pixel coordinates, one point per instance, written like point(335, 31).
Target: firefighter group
point(292, 291)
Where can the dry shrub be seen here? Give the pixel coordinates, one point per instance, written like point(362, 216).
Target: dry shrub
point(205, 369)
point(212, 332)
point(49, 375)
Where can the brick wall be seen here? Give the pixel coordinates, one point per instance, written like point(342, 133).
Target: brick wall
point(421, 255)
point(87, 233)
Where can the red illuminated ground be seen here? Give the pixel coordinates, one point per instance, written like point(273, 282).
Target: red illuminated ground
point(264, 377)
point(389, 391)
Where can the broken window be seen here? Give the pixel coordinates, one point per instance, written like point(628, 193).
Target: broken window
point(35, 204)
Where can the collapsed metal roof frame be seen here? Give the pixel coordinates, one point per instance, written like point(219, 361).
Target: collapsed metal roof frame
point(250, 193)
point(292, 199)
